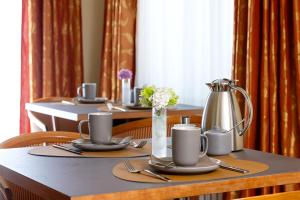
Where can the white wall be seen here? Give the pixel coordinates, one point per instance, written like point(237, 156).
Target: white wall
point(92, 33)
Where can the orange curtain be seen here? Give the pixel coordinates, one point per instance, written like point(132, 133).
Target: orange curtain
point(51, 51)
point(119, 45)
point(266, 62)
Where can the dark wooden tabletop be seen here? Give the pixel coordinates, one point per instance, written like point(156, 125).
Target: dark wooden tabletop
point(80, 111)
point(91, 178)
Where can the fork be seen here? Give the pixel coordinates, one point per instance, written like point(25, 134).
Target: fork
point(131, 169)
point(139, 144)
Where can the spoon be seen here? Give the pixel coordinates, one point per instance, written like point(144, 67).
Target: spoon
point(110, 107)
point(167, 162)
point(124, 140)
point(139, 144)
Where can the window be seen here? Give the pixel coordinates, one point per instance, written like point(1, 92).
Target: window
point(10, 67)
point(183, 44)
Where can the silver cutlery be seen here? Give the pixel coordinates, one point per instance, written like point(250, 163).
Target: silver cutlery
point(230, 167)
point(67, 149)
point(131, 169)
point(139, 144)
point(111, 107)
point(161, 162)
point(68, 103)
point(124, 140)
point(169, 165)
point(233, 168)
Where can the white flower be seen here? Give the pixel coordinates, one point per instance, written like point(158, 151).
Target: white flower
point(160, 98)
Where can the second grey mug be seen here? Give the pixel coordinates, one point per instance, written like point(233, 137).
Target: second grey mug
point(219, 142)
point(87, 90)
point(100, 127)
point(186, 145)
point(136, 95)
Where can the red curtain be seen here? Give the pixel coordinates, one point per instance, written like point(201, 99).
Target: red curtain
point(118, 45)
point(266, 62)
point(52, 62)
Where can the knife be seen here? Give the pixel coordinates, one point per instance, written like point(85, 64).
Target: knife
point(229, 167)
point(78, 152)
point(233, 168)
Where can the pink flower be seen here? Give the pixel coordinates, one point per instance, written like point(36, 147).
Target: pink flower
point(125, 74)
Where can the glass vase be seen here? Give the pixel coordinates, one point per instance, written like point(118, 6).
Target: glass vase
point(159, 132)
point(126, 92)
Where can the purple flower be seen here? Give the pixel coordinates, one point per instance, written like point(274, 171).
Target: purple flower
point(125, 74)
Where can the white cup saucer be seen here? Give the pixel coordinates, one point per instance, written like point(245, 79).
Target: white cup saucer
point(87, 145)
point(204, 165)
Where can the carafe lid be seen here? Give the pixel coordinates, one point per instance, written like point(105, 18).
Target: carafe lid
point(220, 85)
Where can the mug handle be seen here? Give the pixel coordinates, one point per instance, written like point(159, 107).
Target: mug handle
point(78, 91)
point(206, 145)
point(80, 128)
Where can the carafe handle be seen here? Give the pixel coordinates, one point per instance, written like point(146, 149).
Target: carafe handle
point(250, 107)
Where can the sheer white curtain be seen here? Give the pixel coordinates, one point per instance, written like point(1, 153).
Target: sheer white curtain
point(10, 68)
point(183, 44)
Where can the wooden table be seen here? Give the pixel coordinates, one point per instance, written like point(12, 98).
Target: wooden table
point(80, 111)
point(91, 178)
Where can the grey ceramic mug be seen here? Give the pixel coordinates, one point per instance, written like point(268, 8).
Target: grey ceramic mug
point(87, 90)
point(186, 145)
point(136, 95)
point(100, 127)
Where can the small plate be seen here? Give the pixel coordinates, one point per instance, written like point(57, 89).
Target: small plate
point(96, 100)
point(204, 165)
point(137, 107)
point(86, 145)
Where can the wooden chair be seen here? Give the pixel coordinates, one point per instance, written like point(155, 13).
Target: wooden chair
point(142, 128)
point(40, 122)
point(294, 195)
point(5, 191)
point(9, 191)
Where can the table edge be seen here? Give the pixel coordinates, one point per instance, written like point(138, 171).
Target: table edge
point(31, 185)
point(194, 189)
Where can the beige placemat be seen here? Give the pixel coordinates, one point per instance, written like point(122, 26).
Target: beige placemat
point(123, 153)
point(254, 167)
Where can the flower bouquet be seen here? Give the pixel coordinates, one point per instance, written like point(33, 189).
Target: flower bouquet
point(159, 99)
point(125, 75)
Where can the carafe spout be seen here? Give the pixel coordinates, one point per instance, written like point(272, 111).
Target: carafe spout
point(210, 85)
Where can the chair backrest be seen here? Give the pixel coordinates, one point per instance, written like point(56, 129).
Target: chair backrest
point(9, 191)
point(5, 191)
point(39, 138)
point(143, 128)
point(41, 122)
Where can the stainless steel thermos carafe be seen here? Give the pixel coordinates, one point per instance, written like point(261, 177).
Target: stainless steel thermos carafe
point(223, 112)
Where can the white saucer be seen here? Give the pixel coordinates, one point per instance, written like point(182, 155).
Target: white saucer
point(86, 145)
point(96, 100)
point(204, 165)
point(138, 107)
